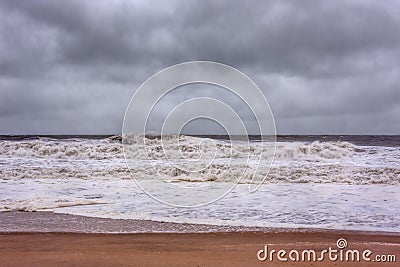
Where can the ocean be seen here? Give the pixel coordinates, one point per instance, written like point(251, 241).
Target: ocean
point(330, 182)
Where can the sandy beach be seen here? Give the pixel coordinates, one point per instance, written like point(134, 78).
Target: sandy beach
point(183, 249)
point(43, 243)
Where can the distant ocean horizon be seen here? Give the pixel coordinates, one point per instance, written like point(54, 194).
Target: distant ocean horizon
point(359, 140)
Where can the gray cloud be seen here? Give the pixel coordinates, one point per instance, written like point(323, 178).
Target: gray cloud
point(325, 67)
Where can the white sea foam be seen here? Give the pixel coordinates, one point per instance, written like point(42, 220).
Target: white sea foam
point(335, 206)
point(62, 149)
point(295, 162)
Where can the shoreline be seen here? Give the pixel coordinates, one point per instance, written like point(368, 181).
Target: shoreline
point(52, 239)
point(49, 222)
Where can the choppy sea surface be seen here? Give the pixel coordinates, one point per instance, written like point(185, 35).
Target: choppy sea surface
point(333, 182)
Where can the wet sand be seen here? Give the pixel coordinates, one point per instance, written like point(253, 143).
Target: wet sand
point(43, 244)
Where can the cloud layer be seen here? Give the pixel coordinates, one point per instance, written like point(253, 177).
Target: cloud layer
point(70, 67)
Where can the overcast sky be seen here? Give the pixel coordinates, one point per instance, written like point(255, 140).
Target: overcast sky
point(326, 67)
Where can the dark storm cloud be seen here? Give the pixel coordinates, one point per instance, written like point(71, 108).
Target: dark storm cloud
point(325, 66)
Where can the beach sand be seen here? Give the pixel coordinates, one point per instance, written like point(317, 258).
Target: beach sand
point(182, 249)
point(43, 246)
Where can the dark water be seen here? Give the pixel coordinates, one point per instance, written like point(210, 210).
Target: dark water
point(360, 140)
point(58, 137)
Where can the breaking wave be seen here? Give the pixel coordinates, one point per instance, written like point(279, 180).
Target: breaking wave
point(294, 162)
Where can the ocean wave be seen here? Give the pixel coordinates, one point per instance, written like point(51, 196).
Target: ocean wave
point(190, 146)
point(62, 149)
point(294, 162)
